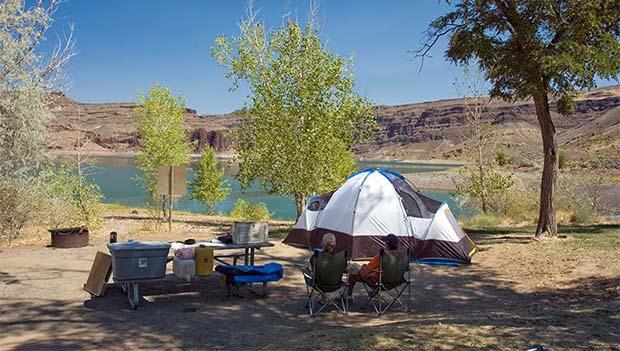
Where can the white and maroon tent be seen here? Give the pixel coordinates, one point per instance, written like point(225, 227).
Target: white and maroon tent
point(373, 203)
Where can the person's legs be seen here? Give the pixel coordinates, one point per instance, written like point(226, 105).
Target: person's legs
point(353, 278)
point(371, 277)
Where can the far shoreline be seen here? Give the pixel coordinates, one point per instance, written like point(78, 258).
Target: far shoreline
point(439, 180)
point(228, 156)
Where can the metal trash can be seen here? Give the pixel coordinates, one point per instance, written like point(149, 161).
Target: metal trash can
point(250, 232)
point(139, 260)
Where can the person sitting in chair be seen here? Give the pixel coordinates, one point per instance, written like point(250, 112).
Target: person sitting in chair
point(328, 243)
point(368, 272)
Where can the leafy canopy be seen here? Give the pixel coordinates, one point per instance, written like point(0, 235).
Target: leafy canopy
point(164, 142)
point(525, 46)
point(28, 72)
point(209, 185)
point(302, 117)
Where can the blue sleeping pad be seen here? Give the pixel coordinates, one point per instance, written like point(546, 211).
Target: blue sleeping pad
point(271, 272)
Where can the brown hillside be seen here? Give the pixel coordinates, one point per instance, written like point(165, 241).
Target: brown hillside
point(414, 131)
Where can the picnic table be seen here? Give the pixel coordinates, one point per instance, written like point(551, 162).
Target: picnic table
point(248, 255)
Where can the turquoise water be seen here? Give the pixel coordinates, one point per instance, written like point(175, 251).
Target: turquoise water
point(117, 178)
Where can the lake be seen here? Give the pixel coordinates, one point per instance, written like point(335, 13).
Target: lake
point(117, 178)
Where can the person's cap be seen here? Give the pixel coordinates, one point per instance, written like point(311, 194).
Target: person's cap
point(329, 239)
point(391, 240)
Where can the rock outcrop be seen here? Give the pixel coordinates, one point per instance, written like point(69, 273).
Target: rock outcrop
point(110, 129)
point(414, 131)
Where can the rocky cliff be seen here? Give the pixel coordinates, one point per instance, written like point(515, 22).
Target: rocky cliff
point(414, 131)
point(110, 129)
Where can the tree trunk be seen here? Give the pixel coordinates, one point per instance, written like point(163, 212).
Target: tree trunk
point(547, 222)
point(300, 203)
point(483, 185)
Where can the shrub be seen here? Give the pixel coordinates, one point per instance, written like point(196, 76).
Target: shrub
point(562, 160)
point(501, 158)
point(509, 198)
point(73, 200)
point(582, 214)
point(482, 221)
point(578, 197)
point(20, 204)
point(248, 211)
point(484, 188)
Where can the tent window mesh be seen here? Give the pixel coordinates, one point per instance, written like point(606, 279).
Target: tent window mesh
point(430, 204)
point(325, 199)
point(318, 203)
point(411, 207)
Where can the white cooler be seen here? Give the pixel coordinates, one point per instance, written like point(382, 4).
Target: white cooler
point(184, 269)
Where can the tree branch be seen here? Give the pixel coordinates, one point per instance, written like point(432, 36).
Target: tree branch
point(431, 39)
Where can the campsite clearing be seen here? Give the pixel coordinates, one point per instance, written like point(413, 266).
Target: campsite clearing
point(564, 293)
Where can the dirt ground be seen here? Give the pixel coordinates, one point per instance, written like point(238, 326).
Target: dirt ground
point(563, 293)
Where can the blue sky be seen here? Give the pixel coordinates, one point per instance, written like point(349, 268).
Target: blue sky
point(125, 46)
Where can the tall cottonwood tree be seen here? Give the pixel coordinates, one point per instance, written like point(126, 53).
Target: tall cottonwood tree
point(302, 117)
point(535, 49)
point(163, 139)
point(28, 73)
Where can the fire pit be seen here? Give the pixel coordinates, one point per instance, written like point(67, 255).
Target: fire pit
point(69, 237)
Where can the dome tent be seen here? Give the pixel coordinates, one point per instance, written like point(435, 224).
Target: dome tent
point(373, 203)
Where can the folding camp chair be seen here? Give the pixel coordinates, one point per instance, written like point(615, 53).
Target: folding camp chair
point(391, 279)
point(326, 278)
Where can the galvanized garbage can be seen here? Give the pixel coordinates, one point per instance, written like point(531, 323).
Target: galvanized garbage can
point(139, 260)
point(250, 232)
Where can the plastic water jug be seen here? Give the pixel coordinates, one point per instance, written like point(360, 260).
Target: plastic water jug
point(204, 260)
point(184, 269)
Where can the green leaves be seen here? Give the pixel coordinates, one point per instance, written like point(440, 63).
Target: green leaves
point(73, 200)
point(566, 104)
point(530, 49)
point(163, 139)
point(557, 45)
point(302, 116)
point(485, 188)
point(209, 185)
point(28, 72)
point(247, 211)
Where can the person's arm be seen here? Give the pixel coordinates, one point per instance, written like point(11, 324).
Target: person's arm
point(374, 263)
point(371, 266)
